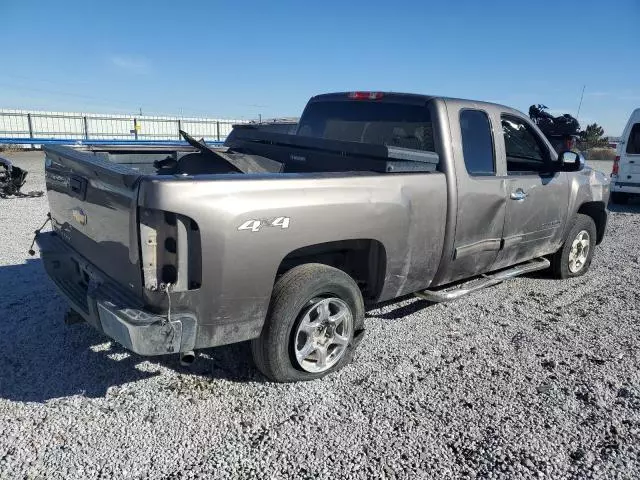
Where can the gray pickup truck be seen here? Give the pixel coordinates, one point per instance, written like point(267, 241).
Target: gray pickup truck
point(282, 239)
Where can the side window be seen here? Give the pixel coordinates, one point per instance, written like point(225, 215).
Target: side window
point(477, 145)
point(525, 151)
point(633, 144)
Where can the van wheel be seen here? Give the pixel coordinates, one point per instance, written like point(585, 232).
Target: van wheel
point(574, 257)
point(619, 197)
point(316, 312)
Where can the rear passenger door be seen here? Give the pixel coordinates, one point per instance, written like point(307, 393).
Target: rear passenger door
point(480, 192)
point(537, 196)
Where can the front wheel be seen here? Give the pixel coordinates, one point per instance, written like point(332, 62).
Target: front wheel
point(315, 316)
point(574, 257)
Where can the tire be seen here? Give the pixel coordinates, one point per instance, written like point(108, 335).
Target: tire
point(304, 301)
point(620, 198)
point(561, 261)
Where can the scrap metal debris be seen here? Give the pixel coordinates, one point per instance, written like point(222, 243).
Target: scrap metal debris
point(12, 179)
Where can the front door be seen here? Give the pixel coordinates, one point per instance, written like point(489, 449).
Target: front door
point(537, 197)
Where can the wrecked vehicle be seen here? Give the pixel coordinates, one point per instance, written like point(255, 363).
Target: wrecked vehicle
point(12, 179)
point(283, 239)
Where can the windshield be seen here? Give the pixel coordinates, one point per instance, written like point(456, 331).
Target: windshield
point(380, 123)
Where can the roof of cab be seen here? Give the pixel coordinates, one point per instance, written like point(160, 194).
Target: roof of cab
point(399, 97)
point(386, 96)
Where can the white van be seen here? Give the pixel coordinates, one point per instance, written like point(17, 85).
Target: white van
point(625, 176)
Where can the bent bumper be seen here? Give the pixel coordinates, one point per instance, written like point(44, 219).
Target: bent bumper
point(109, 308)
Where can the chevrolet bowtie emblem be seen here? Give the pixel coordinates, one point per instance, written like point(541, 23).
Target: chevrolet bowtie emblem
point(79, 216)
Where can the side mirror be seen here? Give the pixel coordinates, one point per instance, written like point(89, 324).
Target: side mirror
point(570, 162)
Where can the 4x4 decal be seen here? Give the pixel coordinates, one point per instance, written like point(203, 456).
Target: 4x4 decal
point(256, 225)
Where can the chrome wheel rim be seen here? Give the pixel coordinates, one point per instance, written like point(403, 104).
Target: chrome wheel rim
point(323, 334)
point(579, 251)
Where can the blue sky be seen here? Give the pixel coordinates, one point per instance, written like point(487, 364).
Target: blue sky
point(241, 59)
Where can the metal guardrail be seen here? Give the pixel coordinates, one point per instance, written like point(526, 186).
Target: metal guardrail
point(28, 127)
point(75, 141)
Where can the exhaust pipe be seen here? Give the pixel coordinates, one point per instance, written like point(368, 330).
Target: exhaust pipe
point(187, 358)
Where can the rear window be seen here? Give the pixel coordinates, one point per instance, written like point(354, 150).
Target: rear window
point(633, 144)
point(380, 123)
point(477, 143)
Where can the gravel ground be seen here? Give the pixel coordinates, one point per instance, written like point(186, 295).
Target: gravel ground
point(533, 378)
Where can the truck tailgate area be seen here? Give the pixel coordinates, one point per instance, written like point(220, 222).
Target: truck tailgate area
point(93, 209)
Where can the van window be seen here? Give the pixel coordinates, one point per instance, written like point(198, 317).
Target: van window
point(633, 144)
point(477, 145)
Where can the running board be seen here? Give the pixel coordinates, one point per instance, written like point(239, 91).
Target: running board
point(484, 282)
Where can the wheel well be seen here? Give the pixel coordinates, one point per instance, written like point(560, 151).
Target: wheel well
point(598, 212)
point(363, 259)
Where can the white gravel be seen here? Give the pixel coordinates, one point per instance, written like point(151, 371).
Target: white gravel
point(533, 378)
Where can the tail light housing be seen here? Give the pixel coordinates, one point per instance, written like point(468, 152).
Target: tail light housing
point(366, 95)
point(170, 251)
point(616, 166)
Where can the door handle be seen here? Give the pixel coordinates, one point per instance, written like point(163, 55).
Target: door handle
point(519, 195)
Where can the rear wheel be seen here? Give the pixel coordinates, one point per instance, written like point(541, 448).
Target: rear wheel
point(619, 197)
point(316, 312)
point(574, 257)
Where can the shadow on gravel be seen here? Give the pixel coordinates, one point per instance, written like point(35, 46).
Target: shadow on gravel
point(419, 304)
point(227, 362)
point(41, 358)
point(400, 311)
point(632, 207)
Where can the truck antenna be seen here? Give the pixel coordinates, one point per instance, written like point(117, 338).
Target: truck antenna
point(580, 104)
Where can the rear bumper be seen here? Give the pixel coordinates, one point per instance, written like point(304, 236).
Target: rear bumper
point(625, 187)
point(109, 308)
